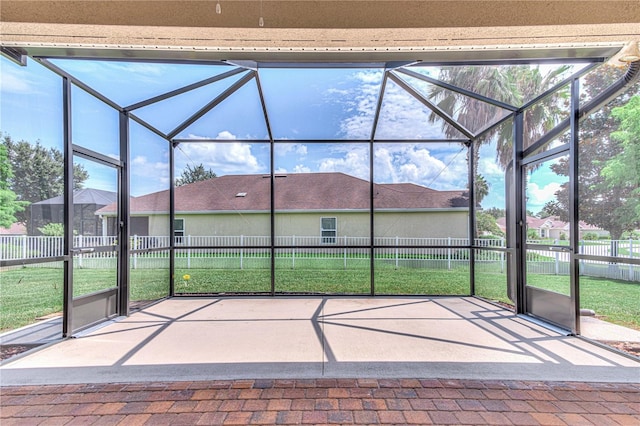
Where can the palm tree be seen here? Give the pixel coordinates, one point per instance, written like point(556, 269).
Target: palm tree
point(481, 188)
point(510, 84)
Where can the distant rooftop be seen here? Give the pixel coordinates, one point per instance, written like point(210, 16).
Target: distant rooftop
point(84, 196)
point(299, 191)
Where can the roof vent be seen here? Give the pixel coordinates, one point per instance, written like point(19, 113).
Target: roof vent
point(241, 194)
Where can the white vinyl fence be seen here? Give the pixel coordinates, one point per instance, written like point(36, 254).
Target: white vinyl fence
point(253, 252)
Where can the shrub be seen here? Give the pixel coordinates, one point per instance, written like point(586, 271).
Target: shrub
point(634, 235)
point(52, 230)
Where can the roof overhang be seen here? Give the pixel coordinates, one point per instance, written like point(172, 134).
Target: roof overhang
point(342, 32)
point(363, 57)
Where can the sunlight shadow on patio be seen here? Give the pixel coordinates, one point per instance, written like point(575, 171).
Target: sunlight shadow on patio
point(304, 337)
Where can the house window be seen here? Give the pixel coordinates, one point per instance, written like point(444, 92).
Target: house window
point(329, 229)
point(178, 230)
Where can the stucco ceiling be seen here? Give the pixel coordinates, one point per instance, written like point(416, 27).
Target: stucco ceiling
point(321, 30)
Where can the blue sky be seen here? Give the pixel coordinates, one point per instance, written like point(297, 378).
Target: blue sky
point(325, 104)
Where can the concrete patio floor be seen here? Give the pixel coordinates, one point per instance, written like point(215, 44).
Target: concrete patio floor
point(190, 339)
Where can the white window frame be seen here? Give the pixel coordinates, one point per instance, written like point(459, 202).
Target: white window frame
point(326, 238)
point(178, 234)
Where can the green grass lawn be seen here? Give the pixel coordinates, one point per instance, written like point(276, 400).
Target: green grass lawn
point(613, 300)
point(616, 301)
point(325, 281)
point(29, 293)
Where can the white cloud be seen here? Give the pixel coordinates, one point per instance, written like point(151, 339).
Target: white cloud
point(354, 162)
point(384, 168)
point(17, 82)
point(283, 149)
point(226, 135)
point(401, 115)
point(360, 102)
point(437, 168)
point(490, 167)
point(441, 167)
point(334, 91)
point(222, 158)
point(422, 167)
point(154, 176)
point(301, 168)
point(539, 196)
point(373, 77)
point(139, 160)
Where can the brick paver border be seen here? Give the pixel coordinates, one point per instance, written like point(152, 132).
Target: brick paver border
point(323, 401)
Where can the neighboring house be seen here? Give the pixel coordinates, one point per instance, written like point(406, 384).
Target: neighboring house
point(85, 204)
point(14, 230)
point(553, 228)
point(326, 205)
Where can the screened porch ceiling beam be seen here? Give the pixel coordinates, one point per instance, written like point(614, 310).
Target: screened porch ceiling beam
point(559, 85)
point(319, 141)
point(393, 65)
point(631, 76)
point(208, 107)
point(457, 89)
point(263, 104)
point(376, 116)
point(91, 91)
point(147, 126)
point(79, 84)
point(437, 110)
point(489, 127)
point(185, 89)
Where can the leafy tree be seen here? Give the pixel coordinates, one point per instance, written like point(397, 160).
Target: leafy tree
point(549, 209)
point(194, 174)
point(38, 173)
point(486, 223)
point(9, 203)
point(623, 170)
point(496, 212)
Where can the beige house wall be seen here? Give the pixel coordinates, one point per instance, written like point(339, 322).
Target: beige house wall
point(159, 225)
point(226, 224)
point(439, 224)
point(350, 224)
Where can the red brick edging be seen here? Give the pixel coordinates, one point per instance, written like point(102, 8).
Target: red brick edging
point(324, 401)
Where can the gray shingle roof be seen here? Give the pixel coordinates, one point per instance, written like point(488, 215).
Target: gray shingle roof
point(300, 191)
point(84, 196)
